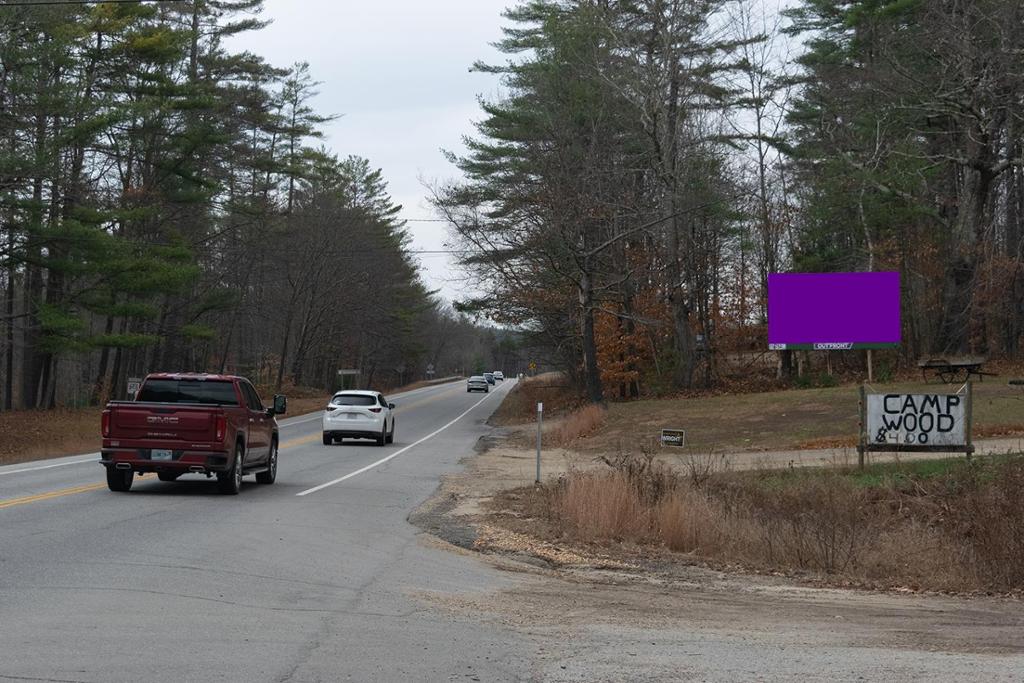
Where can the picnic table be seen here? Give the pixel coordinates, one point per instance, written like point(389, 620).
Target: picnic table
point(954, 369)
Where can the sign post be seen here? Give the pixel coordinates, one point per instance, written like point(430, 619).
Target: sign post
point(345, 373)
point(540, 423)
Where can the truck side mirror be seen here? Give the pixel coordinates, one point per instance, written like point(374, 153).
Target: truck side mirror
point(280, 404)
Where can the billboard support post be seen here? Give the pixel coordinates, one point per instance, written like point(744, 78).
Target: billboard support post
point(871, 367)
point(863, 427)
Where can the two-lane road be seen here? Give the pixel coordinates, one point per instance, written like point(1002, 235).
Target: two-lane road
point(311, 579)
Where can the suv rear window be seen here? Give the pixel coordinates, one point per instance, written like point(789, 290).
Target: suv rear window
point(188, 391)
point(353, 400)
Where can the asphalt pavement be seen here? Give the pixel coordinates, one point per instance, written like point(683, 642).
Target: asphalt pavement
point(314, 578)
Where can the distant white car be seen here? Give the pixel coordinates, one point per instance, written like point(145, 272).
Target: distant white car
point(359, 415)
point(499, 375)
point(477, 383)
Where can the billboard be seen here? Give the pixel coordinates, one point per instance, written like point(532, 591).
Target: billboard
point(826, 311)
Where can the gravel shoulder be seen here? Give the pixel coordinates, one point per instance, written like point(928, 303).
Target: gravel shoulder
point(597, 615)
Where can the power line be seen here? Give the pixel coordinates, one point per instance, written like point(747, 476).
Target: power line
point(36, 3)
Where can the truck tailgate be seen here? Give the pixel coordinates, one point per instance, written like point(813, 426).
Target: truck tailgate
point(164, 421)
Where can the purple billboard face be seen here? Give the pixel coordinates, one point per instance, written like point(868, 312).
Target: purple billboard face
point(833, 310)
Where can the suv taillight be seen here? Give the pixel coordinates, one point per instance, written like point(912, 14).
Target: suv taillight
point(222, 427)
point(375, 410)
point(105, 423)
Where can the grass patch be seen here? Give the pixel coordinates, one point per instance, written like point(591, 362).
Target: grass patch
point(940, 524)
point(552, 389)
point(784, 420)
point(27, 435)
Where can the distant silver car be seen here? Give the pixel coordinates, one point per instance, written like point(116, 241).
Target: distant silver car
point(477, 383)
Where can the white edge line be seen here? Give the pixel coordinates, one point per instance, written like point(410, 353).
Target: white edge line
point(318, 414)
point(92, 458)
point(397, 453)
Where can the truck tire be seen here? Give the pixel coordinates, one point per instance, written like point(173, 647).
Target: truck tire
point(327, 439)
point(270, 475)
point(230, 483)
point(119, 480)
point(167, 476)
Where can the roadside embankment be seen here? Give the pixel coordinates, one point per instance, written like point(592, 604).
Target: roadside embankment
point(610, 497)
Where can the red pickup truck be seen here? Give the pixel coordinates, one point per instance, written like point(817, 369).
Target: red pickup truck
point(181, 423)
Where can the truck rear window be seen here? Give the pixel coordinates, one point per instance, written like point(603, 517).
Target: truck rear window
point(188, 391)
point(353, 400)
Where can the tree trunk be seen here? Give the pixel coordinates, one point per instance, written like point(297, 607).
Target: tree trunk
point(591, 371)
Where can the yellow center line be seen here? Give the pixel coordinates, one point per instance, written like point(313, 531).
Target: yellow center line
point(291, 443)
point(56, 494)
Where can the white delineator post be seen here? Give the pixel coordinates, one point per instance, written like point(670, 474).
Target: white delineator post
point(540, 423)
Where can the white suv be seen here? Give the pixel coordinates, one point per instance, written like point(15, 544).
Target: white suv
point(359, 415)
point(499, 375)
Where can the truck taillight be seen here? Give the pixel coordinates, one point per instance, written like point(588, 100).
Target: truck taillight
point(222, 427)
point(105, 423)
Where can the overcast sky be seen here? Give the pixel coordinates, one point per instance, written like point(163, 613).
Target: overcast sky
point(397, 72)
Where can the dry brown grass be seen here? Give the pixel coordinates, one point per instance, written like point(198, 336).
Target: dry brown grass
point(785, 420)
point(27, 435)
point(576, 425)
point(962, 530)
point(35, 434)
point(551, 388)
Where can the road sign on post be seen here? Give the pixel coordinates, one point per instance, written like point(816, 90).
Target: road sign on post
point(430, 370)
point(540, 424)
point(134, 384)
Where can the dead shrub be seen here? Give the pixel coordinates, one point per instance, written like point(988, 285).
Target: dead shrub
point(601, 506)
point(957, 530)
point(578, 424)
point(987, 517)
point(552, 389)
point(819, 525)
point(652, 479)
point(690, 522)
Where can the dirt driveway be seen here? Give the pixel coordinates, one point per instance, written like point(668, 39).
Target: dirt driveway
point(597, 618)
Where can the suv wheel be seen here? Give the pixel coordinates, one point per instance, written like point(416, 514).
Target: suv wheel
point(119, 480)
point(270, 475)
point(230, 482)
point(327, 439)
point(391, 434)
point(383, 438)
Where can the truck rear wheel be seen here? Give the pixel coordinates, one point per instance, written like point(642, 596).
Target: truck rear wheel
point(119, 480)
point(230, 482)
point(270, 475)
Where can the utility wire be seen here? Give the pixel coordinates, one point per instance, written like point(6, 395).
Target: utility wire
point(35, 3)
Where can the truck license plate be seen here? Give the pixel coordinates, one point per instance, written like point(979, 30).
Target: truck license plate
point(161, 454)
